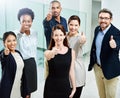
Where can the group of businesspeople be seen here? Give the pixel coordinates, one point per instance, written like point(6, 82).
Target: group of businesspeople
point(64, 66)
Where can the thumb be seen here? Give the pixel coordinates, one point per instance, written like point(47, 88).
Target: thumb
point(6, 45)
point(111, 38)
point(81, 33)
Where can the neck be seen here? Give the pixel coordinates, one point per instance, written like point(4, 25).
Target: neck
point(27, 32)
point(59, 46)
point(13, 51)
point(57, 19)
point(71, 34)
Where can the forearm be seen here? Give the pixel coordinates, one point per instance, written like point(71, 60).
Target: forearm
point(46, 23)
point(72, 78)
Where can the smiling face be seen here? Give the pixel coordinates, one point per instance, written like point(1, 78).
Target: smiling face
point(58, 37)
point(26, 22)
point(104, 20)
point(55, 9)
point(73, 27)
point(10, 42)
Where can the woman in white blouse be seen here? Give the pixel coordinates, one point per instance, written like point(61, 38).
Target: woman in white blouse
point(27, 45)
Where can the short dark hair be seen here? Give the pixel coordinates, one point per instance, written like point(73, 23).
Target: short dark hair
point(105, 10)
point(55, 1)
point(25, 11)
point(6, 34)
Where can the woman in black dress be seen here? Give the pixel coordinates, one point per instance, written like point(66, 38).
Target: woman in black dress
point(60, 59)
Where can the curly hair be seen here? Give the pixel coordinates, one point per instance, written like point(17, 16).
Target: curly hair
point(25, 11)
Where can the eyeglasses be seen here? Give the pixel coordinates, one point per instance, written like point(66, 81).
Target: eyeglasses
point(105, 18)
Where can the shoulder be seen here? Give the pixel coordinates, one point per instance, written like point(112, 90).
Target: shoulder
point(97, 28)
point(62, 18)
point(115, 28)
point(19, 52)
point(33, 31)
point(72, 51)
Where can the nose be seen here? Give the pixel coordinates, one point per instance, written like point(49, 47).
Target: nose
point(58, 37)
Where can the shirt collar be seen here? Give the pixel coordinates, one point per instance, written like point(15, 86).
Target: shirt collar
point(104, 31)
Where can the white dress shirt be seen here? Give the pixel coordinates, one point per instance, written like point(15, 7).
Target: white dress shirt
point(27, 44)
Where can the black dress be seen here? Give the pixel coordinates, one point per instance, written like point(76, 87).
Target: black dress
point(57, 84)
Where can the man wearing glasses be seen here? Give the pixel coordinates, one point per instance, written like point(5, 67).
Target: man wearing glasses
point(104, 55)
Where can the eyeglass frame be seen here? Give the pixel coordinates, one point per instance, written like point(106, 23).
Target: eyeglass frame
point(105, 18)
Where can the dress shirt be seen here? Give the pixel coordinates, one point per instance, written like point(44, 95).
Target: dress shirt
point(27, 44)
point(98, 43)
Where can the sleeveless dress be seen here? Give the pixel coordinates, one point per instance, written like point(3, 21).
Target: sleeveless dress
point(57, 84)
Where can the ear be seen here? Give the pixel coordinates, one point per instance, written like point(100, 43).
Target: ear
point(64, 37)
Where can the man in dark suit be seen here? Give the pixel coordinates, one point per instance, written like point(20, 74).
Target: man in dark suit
point(104, 55)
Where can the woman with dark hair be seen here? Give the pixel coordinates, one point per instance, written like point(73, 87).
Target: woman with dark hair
point(12, 67)
point(60, 59)
point(27, 45)
point(76, 41)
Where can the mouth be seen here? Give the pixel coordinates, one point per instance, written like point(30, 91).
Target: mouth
point(12, 47)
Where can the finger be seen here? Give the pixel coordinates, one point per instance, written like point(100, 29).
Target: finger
point(22, 28)
point(6, 46)
point(50, 10)
point(81, 33)
point(111, 38)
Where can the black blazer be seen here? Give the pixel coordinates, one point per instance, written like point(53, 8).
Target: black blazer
point(8, 66)
point(110, 63)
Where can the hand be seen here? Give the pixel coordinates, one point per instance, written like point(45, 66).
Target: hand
point(82, 38)
point(55, 50)
point(51, 53)
point(49, 16)
point(112, 42)
point(72, 93)
point(6, 51)
point(22, 30)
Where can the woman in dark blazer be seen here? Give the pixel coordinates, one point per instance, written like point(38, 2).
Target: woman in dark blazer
point(12, 68)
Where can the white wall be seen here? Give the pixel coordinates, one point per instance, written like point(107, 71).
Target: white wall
point(96, 6)
point(86, 7)
point(114, 6)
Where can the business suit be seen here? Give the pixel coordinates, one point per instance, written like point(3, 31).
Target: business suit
point(110, 65)
point(9, 68)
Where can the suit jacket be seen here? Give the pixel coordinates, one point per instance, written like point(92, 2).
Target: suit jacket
point(110, 63)
point(8, 66)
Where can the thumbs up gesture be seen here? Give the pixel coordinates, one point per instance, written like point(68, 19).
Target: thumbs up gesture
point(82, 38)
point(6, 51)
point(112, 42)
point(49, 16)
point(55, 50)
